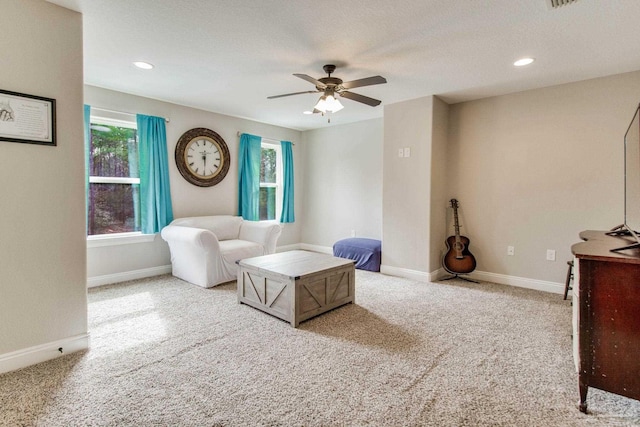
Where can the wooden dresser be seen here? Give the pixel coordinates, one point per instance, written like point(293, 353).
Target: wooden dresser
point(606, 316)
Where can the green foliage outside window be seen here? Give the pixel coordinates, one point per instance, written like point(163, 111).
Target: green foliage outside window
point(113, 207)
point(268, 175)
point(267, 203)
point(268, 166)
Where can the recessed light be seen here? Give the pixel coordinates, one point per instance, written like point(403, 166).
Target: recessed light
point(307, 112)
point(143, 65)
point(524, 61)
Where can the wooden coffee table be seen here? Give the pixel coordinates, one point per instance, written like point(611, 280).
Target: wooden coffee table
point(296, 285)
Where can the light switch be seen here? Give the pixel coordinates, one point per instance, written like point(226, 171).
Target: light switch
point(551, 255)
point(400, 152)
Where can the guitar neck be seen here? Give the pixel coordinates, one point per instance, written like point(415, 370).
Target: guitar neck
point(456, 225)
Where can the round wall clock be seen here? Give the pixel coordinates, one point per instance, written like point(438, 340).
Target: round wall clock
point(202, 157)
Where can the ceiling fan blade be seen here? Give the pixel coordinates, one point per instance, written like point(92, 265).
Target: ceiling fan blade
point(375, 80)
point(360, 98)
point(290, 94)
point(311, 80)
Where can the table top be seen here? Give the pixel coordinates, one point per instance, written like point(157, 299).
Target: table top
point(597, 246)
point(295, 264)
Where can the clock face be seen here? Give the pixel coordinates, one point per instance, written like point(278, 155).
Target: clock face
point(202, 157)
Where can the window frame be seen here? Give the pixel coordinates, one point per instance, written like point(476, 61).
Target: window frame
point(111, 239)
point(278, 185)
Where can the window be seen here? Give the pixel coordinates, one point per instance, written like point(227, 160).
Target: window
point(270, 181)
point(114, 181)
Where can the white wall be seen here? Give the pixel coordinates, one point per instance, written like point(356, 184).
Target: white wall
point(188, 199)
point(530, 170)
point(440, 191)
point(533, 169)
point(343, 183)
point(42, 255)
point(407, 185)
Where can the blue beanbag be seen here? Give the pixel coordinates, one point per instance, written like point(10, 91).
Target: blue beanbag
point(365, 252)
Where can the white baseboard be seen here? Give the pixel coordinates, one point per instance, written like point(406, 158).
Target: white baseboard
point(305, 247)
point(316, 248)
point(127, 275)
point(439, 274)
point(124, 276)
point(287, 248)
point(521, 282)
point(41, 353)
point(419, 276)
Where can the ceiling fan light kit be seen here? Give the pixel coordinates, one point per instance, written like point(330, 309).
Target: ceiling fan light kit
point(330, 86)
point(328, 104)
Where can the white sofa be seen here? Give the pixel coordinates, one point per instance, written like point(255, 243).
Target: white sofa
point(204, 249)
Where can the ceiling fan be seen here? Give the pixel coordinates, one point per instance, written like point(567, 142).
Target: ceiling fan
point(330, 86)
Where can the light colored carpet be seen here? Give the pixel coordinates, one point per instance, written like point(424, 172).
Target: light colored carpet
point(164, 352)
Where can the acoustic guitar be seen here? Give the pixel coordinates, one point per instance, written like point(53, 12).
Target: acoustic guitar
point(458, 259)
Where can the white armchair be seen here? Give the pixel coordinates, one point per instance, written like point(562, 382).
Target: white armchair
point(204, 249)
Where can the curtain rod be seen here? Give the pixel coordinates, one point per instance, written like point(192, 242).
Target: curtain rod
point(264, 137)
point(119, 112)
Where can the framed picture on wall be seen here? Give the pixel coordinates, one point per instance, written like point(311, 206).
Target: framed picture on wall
point(27, 118)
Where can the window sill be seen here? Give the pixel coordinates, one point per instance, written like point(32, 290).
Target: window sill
point(119, 239)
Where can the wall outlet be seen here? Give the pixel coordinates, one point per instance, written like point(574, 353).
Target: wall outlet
point(551, 255)
point(407, 152)
point(510, 250)
point(353, 233)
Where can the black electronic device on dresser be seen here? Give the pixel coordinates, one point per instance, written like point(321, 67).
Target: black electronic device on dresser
point(631, 225)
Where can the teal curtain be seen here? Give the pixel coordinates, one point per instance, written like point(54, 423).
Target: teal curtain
point(155, 194)
point(288, 214)
point(87, 171)
point(249, 177)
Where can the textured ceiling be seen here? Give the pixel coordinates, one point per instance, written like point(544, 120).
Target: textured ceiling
point(227, 56)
